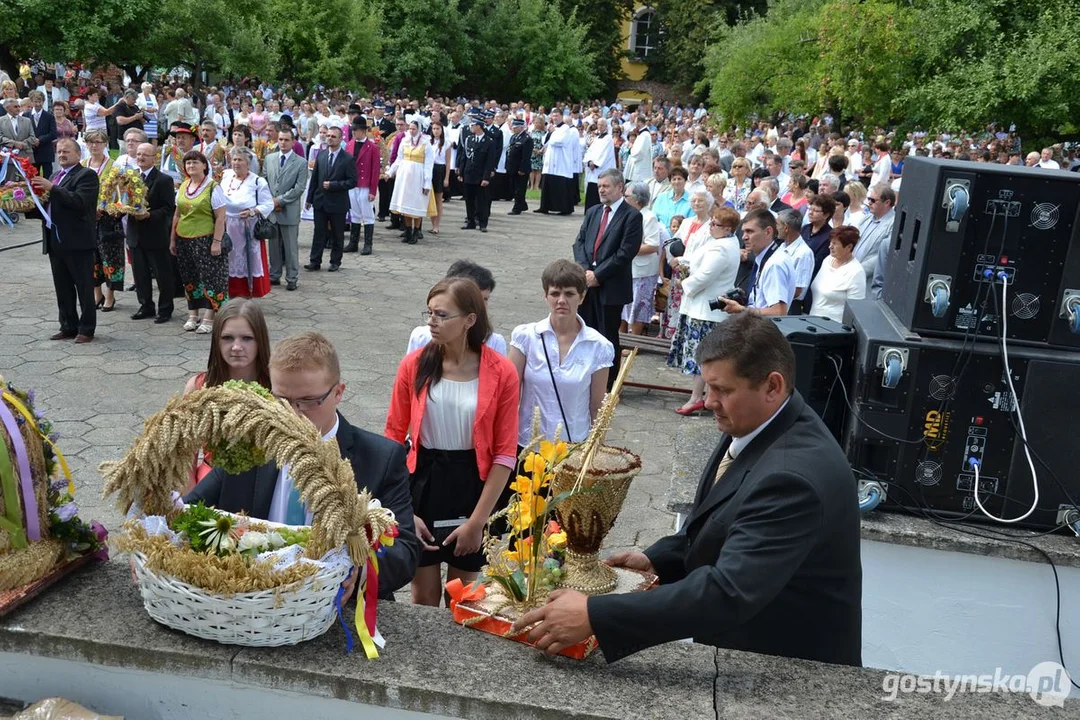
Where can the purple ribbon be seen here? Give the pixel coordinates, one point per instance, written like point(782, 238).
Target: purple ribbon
point(26, 480)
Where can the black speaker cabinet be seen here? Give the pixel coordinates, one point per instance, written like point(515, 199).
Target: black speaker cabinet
point(960, 225)
point(821, 346)
point(926, 406)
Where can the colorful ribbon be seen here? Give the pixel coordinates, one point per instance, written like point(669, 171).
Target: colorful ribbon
point(25, 412)
point(459, 592)
point(33, 196)
point(341, 618)
point(26, 480)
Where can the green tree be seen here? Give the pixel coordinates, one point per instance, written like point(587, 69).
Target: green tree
point(522, 39)
point(689, 28)
point(603, 22)
point(425, 45)
point(340, 45)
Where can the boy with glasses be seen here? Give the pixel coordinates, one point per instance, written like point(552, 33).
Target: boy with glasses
point(306, 374)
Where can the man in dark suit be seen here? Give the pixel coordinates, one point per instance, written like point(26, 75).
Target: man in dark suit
point(607, 243)
point(301, 369)
point(334, 175)
point(518, 164)
point(772, 187)
point(148, 240)
point(44, 133)
point(69, 240)
point(769, 559)
point(476, 168)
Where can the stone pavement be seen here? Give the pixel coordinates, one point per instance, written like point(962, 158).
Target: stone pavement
point(100, 393)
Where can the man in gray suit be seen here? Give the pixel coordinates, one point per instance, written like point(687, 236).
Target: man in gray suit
point(286, 173)
point(16, 131)
point(768, 560)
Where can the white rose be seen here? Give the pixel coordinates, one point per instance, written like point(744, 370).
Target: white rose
point(275, 540)
point(252, 540)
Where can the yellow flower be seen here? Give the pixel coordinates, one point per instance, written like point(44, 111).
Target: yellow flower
point(557, 541)
point(534, 464)
point(525, 511)
point(553, 453)
point(525, 485)
point(521, 552)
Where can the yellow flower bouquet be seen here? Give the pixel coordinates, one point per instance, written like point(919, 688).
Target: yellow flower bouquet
point(122, 192)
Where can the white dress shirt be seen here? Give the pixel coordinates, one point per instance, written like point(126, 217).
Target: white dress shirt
point(421, 336)
point(802, 259)
point(775, 282)
point(279, 503)
point(589, 352)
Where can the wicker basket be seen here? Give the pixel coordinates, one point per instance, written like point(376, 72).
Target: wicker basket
point(283, 616)
point(23, 206)
point(344, 520)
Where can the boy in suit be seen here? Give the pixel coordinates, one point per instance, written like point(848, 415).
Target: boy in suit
point(302, 367)
point(331, 180)
point(769, 559)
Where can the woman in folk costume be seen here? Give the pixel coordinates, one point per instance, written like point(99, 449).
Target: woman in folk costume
point(109, 253)
point(248, 198)
point(412, 171)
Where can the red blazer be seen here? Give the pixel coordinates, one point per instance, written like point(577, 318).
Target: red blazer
point(496, 427)
point(367, 165)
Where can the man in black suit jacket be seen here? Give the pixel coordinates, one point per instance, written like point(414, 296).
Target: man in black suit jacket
point(69, 241)
point(476, 161)
point(769, 558)
point(608, 241)
point(334, 175)
point(44, 123)
point(148, 240)
point(301, 368)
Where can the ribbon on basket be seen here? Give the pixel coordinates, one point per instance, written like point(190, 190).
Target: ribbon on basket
point(26, 481)
point(459, 592)
point(6, 155)
point(367, 601)
point(25, 412)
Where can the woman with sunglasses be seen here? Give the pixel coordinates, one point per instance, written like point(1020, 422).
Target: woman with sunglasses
point(456, 402)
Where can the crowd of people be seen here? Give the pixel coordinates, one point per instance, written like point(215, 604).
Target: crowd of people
point(688, 229)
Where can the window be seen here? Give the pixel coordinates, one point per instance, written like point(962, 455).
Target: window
point(644, 34)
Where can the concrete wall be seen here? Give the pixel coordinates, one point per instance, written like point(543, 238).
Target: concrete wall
point(930, 610)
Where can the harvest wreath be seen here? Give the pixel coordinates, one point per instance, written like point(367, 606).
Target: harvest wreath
point(122, 192)
point(235, 579)
point(18, 195)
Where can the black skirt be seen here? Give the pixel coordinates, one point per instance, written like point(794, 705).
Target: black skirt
point(445, 489)
point(437, 177)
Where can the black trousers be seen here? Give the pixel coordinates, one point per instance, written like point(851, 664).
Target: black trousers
point(73, 279)
point(592, 195)
point(332, 224)
point(150, 264)
point(386, 189)
point(477, 204)
point(605, 319)
point(521, 184)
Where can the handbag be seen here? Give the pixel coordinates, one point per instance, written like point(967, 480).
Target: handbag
point(226, 243)
point(547, 359)
point(263, 229)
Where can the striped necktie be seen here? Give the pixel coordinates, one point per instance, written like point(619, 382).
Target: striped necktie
point(722, 468)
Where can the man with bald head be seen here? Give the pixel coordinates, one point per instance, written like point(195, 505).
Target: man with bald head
point(148, 239)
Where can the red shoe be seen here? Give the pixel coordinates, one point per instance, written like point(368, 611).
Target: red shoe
point(692, 410)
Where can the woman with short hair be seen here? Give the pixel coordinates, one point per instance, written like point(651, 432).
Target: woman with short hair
point(248, 198)
point(198, 231)
point(109, 253)
point(841, 277)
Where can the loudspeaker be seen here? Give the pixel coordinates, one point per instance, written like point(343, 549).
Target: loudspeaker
point(961, 226)
point(821, 347)
point(924, 407)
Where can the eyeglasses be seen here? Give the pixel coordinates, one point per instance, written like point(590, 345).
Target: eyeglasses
point(438, 318)
point(871, 200)
point(307, 403)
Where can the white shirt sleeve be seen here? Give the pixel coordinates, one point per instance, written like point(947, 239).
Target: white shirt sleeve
point(217, 198)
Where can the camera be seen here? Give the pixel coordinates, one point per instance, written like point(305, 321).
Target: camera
point(736, 294)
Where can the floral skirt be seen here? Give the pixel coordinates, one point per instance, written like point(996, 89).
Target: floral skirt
point(688, 335)
point(669, 321)
point(640, 309)
point(205, 277)
point(109, 253)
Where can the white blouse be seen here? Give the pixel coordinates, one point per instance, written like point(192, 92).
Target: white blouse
point(450, 414)
point(589, 352)
point(240, 194)
point(834, 286)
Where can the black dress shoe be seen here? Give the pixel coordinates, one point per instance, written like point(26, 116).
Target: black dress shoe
point(291, 286)
point(131, 288)
point(108, 308)
point(470, 226)
point(62, 335)
point(333, 268)
point(143, 314)
point(312, 266)
point(514, 212)
point(81, 339)
point(275, 282)
point(162, 319)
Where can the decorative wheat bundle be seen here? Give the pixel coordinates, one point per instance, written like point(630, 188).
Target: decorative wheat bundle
point(157, 466)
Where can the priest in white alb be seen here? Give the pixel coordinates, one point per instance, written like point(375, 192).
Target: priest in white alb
point(599, 157)
point(557, 190)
